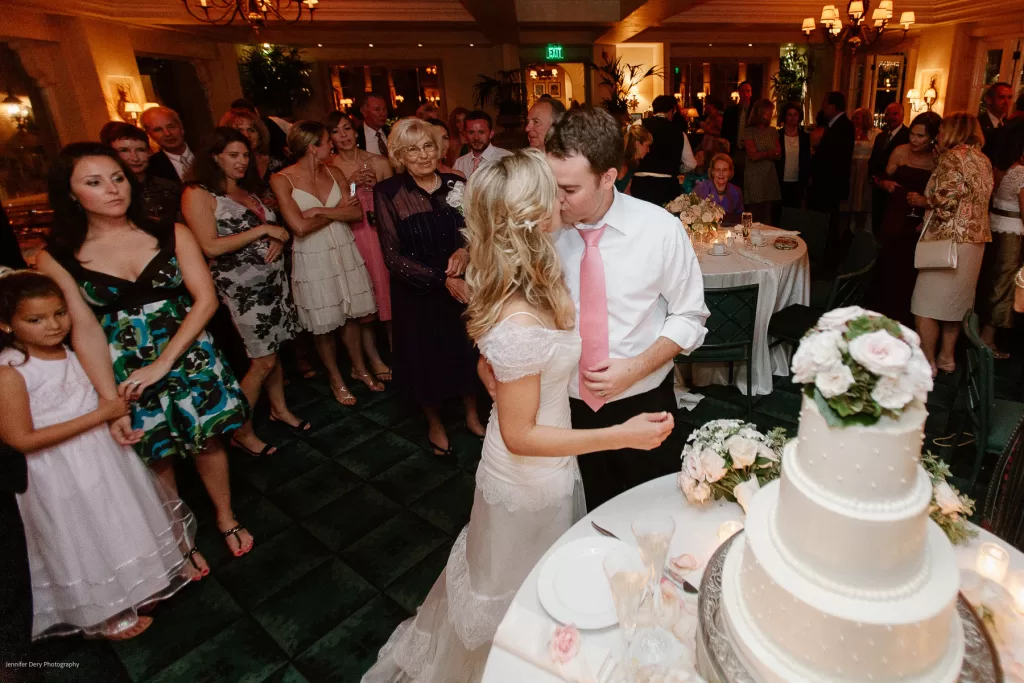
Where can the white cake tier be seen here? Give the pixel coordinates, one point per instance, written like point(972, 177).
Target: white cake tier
point(861, 467)
point(875, 552)
point(788, 629)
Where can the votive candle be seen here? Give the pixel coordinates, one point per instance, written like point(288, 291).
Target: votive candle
point(728, 530)
point(993, 561)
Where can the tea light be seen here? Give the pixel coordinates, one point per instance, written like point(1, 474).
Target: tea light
point(731, 528)
point(993, 561)
point(729, 239)
point(718, 247)
point(1015, 586)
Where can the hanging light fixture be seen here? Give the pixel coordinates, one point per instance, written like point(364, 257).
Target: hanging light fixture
point(864, 28)
point(255, 13)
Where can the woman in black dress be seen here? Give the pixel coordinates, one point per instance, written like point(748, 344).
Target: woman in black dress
point(909, 169)
point(419, 221)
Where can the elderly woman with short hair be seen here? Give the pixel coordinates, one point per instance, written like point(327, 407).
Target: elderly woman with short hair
point(956, 200)
point(421, 238)
point(721, 191)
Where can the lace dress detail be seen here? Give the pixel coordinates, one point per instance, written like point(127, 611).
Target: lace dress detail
point(522, 505)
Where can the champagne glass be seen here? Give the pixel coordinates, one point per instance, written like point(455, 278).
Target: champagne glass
point(653, 534)
point(627, 578)
point(746, 222)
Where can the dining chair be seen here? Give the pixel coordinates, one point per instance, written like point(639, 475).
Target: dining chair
point(863, 250)
point(793, 322)
point(993, 420)
point(813, 227)
point(730, 333)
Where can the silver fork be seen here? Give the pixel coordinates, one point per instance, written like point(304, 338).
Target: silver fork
point(681, 583)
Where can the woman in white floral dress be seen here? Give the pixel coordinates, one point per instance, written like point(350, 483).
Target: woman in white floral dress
point(528, 487)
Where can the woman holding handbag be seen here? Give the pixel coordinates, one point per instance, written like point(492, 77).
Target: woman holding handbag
point(952, 243)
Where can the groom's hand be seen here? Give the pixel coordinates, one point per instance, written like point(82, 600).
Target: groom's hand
point(611, 376)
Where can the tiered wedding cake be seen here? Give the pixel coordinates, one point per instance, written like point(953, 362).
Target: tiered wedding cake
point(841, 575)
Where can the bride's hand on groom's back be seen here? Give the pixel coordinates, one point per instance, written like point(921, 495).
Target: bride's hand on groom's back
point(646, 431)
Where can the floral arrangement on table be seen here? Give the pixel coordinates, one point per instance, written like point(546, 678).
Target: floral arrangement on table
point(949, 508)
point(456, 188)
point(698, 216)
point(1004, 624)
point(859, 366)
point(729, 459)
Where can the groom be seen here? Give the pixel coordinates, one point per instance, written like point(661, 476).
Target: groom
point(639, 297)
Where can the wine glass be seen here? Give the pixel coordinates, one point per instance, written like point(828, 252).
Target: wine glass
point(653, 534)
point(914, 210)
point(746, 222)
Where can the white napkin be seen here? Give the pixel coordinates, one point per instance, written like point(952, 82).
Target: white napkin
point(527, 636)
point(753, 256)
point(779, 232)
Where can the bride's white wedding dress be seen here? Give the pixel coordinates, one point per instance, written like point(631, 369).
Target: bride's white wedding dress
point(522, 505)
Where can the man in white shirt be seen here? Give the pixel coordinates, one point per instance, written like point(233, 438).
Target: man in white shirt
point(372, 136)
point(174, 159)
point(479, 131)
point(644, 308)
point(542, 115)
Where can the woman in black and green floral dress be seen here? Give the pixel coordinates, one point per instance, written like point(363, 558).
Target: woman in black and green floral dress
point(139, 299)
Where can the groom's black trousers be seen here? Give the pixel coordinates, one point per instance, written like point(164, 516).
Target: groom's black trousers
point(606, 474)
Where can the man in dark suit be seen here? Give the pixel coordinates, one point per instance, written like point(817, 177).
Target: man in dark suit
point(372, 136)
point(734, 125)
point(16, 586)
point(656, 179)
point(174, 159)
point(894, 135)
point(830, 169)
point(998, 99)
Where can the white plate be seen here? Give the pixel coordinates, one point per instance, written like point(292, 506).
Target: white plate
point(572, 586)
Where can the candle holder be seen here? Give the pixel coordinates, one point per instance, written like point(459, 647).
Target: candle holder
point(728, 530)
point(993, 561)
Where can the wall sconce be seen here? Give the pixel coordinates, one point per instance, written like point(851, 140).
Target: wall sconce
point(17, 111)
point(702, 95)
point(346, 102)
point(533, 73)
point(734, 96)
point(132, 111)
point(554, 73)
point(930, 95)
point(914, 98)
point(399, 98)
point(919, 102)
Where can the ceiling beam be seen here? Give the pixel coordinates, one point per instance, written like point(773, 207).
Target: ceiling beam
point(496, 19)
point(644, 15)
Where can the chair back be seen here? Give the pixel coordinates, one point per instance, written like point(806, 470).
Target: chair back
point(979, 378)
point(733, 313)
point(1002, 511)
point(848, 289)
point(813, 227)
point(863, 250)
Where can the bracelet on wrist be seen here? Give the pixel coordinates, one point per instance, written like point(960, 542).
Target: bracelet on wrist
point(1018, 279)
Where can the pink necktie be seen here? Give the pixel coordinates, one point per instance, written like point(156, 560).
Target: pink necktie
point(476, 163)
point(593, 311)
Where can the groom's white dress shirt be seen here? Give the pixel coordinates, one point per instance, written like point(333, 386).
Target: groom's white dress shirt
point(652, 279)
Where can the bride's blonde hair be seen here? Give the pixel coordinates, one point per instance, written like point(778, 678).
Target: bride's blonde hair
point(506, 204)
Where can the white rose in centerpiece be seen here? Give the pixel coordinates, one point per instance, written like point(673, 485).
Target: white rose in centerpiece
point(834, 381)
point(837, 318)
point(881, 353)
point(744, 492)
point(701, 493)
point(767, 453)
point(694, 468)
point(707, 217)
point(947, 499)
point(742, 451)
point(893, 394)
point(713, 465)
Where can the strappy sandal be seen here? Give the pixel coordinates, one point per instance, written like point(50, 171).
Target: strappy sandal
point(347, 398)
point(441, 452)
point(127, 634)
point(266, 450)
point(233, 531)
point(303, 426)
point(190, 556)
point(369, 380)
point(384, 376)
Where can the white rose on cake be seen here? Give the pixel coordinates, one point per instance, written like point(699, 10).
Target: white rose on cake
point(817, 352)
point(881, 353)
point(919, 374)
point(837, 318)
point(947, 499)
point(893, 394)
point(742, 451)
point(834, 380)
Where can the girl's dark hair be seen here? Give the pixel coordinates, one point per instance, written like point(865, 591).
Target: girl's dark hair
point(70, 224)
point(15, 287)
point(336, 117)
point(931, 122)
point(207, 173)
point(785, 110)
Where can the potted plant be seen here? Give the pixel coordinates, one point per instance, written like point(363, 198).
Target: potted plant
point(619, 79)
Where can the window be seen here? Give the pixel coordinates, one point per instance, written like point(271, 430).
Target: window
point(889, 76)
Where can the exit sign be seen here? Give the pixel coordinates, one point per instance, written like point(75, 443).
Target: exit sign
point(555, 52)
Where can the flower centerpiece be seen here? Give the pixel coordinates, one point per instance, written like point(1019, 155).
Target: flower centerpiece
point(949, 508)
point(699, 216)
point(859, 366)
point(729, 459)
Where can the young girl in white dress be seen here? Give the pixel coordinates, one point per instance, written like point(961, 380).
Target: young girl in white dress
point(528, 487)
point(102, 542)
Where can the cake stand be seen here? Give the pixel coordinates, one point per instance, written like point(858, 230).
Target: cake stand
point(718, 663)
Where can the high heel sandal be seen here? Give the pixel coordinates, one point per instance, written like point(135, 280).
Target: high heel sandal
point(369, 380)
point(344, 396)
point(266, 450)
point(303, 426)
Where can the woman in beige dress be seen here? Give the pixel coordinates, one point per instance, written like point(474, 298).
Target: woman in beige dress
point(956, 200)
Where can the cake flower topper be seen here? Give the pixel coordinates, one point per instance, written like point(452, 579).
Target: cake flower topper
point(859, 366)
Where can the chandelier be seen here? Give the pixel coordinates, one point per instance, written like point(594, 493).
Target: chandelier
point(255, 13)
point(860, 31)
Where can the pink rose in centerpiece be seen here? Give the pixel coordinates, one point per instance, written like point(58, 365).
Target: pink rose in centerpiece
point(565, 644)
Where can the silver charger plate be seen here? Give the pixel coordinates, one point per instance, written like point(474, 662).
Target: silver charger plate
point(718, 662)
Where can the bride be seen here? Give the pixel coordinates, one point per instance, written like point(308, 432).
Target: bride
point(528, 487)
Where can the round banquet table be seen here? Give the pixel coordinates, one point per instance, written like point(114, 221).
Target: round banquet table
point(784, 278)
point(696, 534)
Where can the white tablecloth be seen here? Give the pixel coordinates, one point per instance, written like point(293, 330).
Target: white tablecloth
point(786, 282)
point(696, 534)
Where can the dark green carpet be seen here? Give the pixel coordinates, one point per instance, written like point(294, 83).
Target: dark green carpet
point(353, 523)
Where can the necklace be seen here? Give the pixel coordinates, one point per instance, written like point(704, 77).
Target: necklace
point(433, 188)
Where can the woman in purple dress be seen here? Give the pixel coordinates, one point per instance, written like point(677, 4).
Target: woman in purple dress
point(721, 191)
